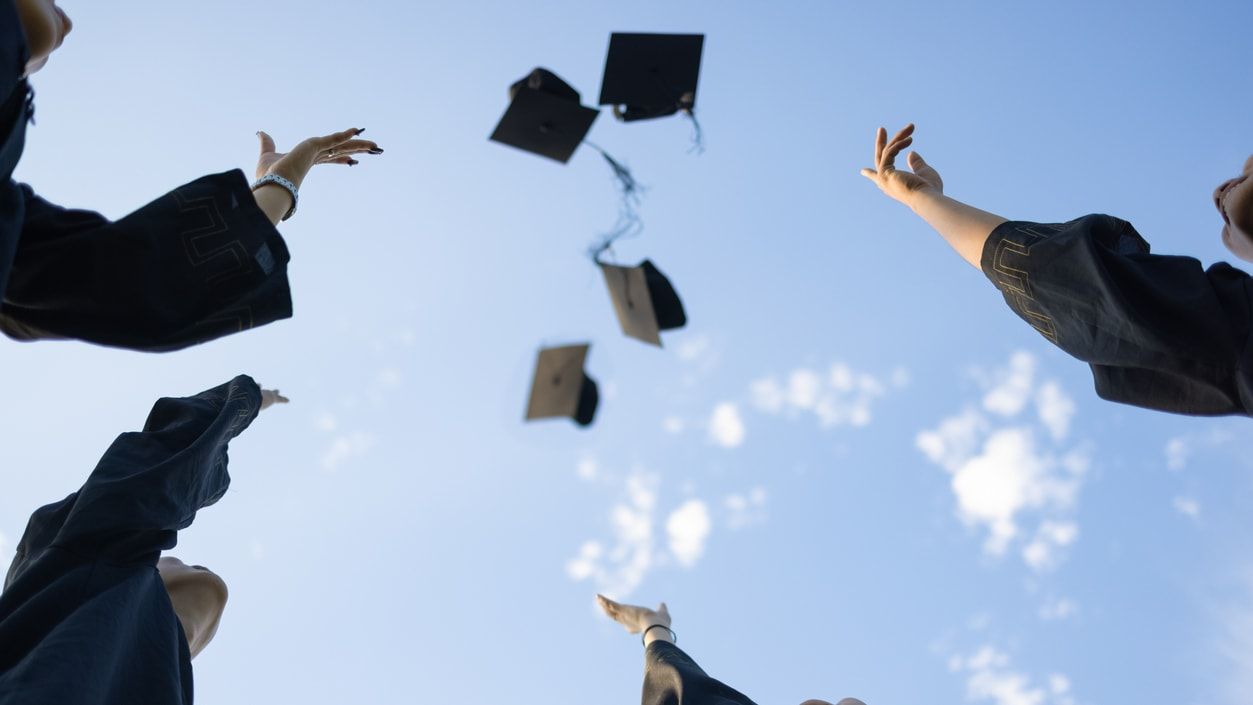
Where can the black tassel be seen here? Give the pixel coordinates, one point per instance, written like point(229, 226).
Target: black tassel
point(698, 136)
point(628, 223)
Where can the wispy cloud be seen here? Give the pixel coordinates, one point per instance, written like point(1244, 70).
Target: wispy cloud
point(1009, 467)
point(619, 568)
point(837, 396)
point(745, 509)
point(687, 529)
point(1058, 609)
point(344, 447)
point(991, 677)
point(1180, 449)
point(726, 427)
point(1188, 507)
point(587, 469)
point(646, 535)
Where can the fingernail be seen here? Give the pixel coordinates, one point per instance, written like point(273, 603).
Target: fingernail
point(376, 150)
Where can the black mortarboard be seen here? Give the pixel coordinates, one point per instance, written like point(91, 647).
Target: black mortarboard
point(544, 117)
point(651, 75)
point(645, 301)
point(561, 387)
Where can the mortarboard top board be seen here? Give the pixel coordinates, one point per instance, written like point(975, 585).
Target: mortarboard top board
point(645, 301)
point(653, 75)
point(561, 387)
point(544, 117)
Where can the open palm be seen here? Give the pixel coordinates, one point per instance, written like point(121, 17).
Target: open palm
point(337, 148)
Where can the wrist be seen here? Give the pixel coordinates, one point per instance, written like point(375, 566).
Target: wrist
point(917, 199)
point(658, 631)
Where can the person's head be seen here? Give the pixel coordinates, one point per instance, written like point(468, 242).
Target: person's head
point(198, 596)
point(46, 26)
point(1234, 200)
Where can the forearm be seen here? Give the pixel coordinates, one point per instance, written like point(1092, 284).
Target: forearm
point(274, 201)
point(964, 227)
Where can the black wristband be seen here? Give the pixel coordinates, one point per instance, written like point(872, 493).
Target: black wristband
point(673, 637)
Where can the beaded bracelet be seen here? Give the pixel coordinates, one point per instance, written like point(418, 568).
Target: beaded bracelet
point(280, 181)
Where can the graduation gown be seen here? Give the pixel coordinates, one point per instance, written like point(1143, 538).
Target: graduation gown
point(671, 677)
point(198, 263)
point(1158, 331)
point(84, 616)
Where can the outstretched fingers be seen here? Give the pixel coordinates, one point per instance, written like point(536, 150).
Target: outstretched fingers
point(337, 138)
point(887, 156)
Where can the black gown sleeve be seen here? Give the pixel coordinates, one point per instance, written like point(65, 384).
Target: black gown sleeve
point(149, 484)
point(1158, 331)
point(196, 264)
point(671, 677)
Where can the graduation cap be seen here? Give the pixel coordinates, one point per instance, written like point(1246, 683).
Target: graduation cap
point(645, 301)
point(544, 117)
point(651, 75)
point(561, 387)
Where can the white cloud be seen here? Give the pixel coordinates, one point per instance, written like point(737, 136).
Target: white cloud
point(389, 377)
point(726, 428)
point(673, 425)
point(1055, 409)
point(326, 422)
point(767, 395)
point(1009, 469)
point(257, 549)
point(1177, 451)
point(694, 349)
point(745, 509)
point(587, 469)
point(1180, 449)
point(621, 564)
point(1188, 507)
point(954, 441)
point(687, 528)
point(1058, 609)
point(1012, 389)
point(1007, 477)
point(803, 387)
point(990, 677)
point(1052, 536)
point(344, 447)
point(840, 397)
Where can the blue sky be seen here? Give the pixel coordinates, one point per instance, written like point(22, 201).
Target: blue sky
point(854, 473)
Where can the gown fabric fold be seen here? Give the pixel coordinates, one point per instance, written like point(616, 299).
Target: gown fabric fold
point(84, 616)
point(1158, 331)
point(201, 262)
point(671, 677)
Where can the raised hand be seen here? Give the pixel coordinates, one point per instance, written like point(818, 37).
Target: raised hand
point(270, 397)
point(338, 148)
point(635, 618)
point(901, 185)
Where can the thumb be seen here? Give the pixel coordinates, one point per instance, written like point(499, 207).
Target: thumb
point(662, 609)
point(869, 173)
point(267, 143)
point(916, 161)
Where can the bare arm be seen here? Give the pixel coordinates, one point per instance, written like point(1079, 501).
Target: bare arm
point(964, 227)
